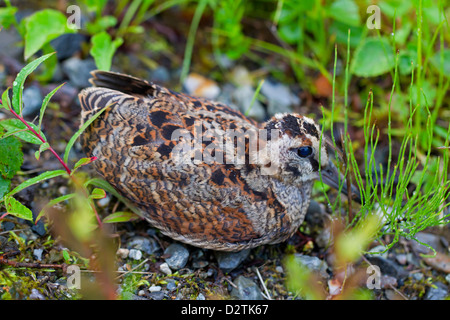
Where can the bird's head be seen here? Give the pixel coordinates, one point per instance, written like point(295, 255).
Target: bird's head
point(296, 152)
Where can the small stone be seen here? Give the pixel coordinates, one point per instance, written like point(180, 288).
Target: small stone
point(160, 75)
point(387, 282)
point(63, 190)
point(313, 264)
point(447, 278)
point(246, 289)
point(39, 228)
point(154, 288)
point(201, 297)
point(374, 251)
point(67, 44)
point(243, 97)
point(7, 225)
point(229, 261)
point(178, 256)
point(392, 295)
point(435, 241)
point(437, 292)
point(401, 258)
point(32, 101)
point(135, 254)
point(279, 269)
point(78, 71)
point(147, 245)
point(280, 98)
point(164, 267)
point(141, 293)
point(200, 86)
point(156, 295)
point(387, 266)
point(36, 295)
point(123, 253)
point(418, 276)
point(314, 214)
point(102, 203)
point(171, 285)
point(37, 253)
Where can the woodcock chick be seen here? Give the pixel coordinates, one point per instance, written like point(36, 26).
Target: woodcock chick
point(172, 155)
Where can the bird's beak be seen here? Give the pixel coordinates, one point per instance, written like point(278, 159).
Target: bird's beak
point(331, 176)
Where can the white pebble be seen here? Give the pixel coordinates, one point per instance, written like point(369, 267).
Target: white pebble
point(135, 254)
point(154, 289)
point(164, 267)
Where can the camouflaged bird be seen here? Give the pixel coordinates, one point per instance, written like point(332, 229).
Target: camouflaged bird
point(220, 205)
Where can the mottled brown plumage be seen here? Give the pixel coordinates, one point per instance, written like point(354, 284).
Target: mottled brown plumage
point(221, 205)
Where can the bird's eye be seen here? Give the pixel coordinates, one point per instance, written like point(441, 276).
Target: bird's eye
point(304, 151)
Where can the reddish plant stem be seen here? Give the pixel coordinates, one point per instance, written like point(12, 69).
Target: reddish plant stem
point(42, 139)
point(59, 159)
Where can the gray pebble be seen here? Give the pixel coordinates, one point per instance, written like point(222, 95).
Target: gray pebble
point(135, 254)
point(171, 285)
point(78, 71)
point(387, 266)
point(147, 245)
point(36, 295)
point(246, 289)
point(418, 276)
point(156, 295)
point(280, 98)
point(230, 260)
point(32, 101)
point(201, 297)
point(243, 97)
point(439, 292)
point(313, 264)
point(37, 253)
point(178, 256)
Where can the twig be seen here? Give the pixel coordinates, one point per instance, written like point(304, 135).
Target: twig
point(127, 272)
point(267, 295)
point(5, 261)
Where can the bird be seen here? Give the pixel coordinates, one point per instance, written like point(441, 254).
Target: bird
point(200, 171)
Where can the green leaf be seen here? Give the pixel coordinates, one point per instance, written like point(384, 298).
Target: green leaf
point(101, 24)
point(20, 80)
point(17, 209)
point(66, 256)
point(42, 177)
point(97, 193)
point(42, 148)
point(53, 202)
point(7, 16)
point(5, 99)
point(345, 11)
point(4, 186)
point(82, 162)
point(373, 58)
point(103, 49)
point(20, 130)
point(42, 27)
point(11, 157)
point(80, 131)
point(121, 216)
point(45, 103)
